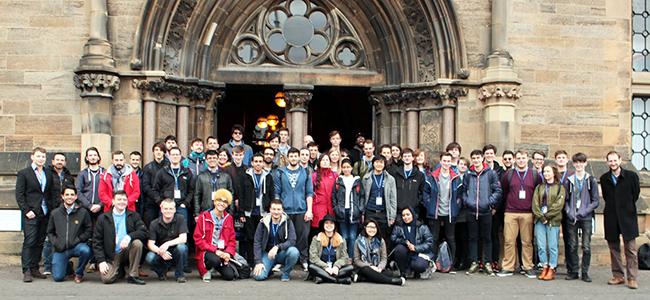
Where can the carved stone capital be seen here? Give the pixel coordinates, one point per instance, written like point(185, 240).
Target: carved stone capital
point(97, 84)
point(297, 100)
point(163, 90)
point(499, 92)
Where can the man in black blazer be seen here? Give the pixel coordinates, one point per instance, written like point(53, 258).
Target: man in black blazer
point(33, 195)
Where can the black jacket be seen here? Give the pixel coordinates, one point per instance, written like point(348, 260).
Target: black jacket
point(164, 185)
point(59, 183)
point(236, 175)
point(148, 176)
point(409, 190)
point(248, 200)
point(66, 231)
point(203, 188)
point(104, 238)
point(357, 203)
point(29, 195)
point(620, 215)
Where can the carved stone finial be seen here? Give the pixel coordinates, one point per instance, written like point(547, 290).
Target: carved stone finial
point(498, 92)
point(97, 84)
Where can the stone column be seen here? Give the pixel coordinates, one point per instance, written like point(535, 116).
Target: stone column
point(211, 112)
point(448, 122)
point(297, 98)
point(412, 125)
point(182, 128)
point(395, 125)
point(148, 129)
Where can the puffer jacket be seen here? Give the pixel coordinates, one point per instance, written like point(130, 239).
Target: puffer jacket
point(589, 199)
point(196, 163)
point(131, 187)
point(203, 234)
point(357, 201)
point(65, 231)
point(204, 187)
point(481, 192)
point(431, 196)
point(423, 238)
point(554, 204)
point(316, 250)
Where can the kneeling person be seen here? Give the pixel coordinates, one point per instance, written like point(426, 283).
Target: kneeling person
point(167, 238)
point(275, 241)
point(69, 229)
point(328, 255)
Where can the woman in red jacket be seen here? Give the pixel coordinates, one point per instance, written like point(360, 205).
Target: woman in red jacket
point(214, 236)
point(323, 179)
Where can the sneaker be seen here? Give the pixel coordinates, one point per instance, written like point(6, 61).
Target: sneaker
point(47, 272)
point(473, 269)
point(488, 270)
point(277, 268)
point(530, 273)
point(304, 267)
point(181, 280)
point(285, 278)
point(214, 272)
point(521, 270)
point(480, 267)
point(355, 277)
point(504, 273)
point(207, 276)
point(496, 267)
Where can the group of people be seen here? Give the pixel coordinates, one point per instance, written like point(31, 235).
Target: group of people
point(341, 215)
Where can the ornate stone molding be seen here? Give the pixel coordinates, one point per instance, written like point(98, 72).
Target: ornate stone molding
point(97, 84)
point(297, 100)
point(422, 36)
point(176, 36)
point(162, 89)
point(498, 92)
point(434, 97)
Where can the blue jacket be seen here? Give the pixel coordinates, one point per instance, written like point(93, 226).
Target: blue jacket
point(481, 192)
point(423, 238)
point(589, 199)
point(196, 163)
point(294, 199)
point(248, 152)
point(430, 195)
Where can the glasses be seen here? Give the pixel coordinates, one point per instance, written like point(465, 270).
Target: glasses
point(508, 158)
point(371, 227)
point(269, 154)
point(222, 201)
point(237, 132)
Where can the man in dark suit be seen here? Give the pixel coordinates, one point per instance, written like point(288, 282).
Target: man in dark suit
point(33, 195)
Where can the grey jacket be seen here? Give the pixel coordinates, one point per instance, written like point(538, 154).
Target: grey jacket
point(203, 190)
point(390, 193)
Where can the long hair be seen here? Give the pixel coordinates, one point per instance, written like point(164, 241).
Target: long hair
point(338, 163)
point(417, 153)
point(556, 172)
point(368, 221)
point(319, 171)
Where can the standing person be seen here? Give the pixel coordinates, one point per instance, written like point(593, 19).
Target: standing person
point(518, 187)
point(314, 154)
point(381, 195)
point(304, 160)
point(489, 153)
point(323, 179)
point(69, 228)
point(170, 142)
point(293, 186)
point(167, 242)
point(508, 159)
point(275, 241)
point(364, 165)
point(396, 154)
point(538, 161)
point(581, 202)
point(118, 238)
point(119, 177)
point(562, 159)
point(328, 255)
point(462, 231)
point(88, 183)
point(236, 170)
point(348, 202)
point(422, 163)
point(212, 143)
point(149, 174)
point(280, 159)
point(335, 140)
point(237, 133)
point(306, 140)
point(335, 160)
point(621, 191)
point(134, 160)
point(196, 160)
point(224, 158)
point(547, 209)
point(412, 239)
point(357, 151)
point(455, 150)
point(258, 191)
point(409, 184)
point(34, 188)
point(207, 184)
point(371, 257)
point(385, 151)
point(269, 154)
point(215, 239)
point(442, 203)
point(481, 194)
point(283, 134)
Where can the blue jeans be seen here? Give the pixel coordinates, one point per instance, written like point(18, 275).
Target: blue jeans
point(287, 257)
point(159, 265)
point(61, 265)
point(47, 254)
point(349, 232)
point(547, 236)
point(183, 212)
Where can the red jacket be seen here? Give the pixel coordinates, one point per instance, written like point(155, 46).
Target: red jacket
point(203, 237)
point(322, 203)
point(131, 187)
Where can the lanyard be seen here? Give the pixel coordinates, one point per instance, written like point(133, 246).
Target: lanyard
point(329, 252)
point(546, 190)
point(275, 227)
point(369, 163)
point(614, 178)
point(522, 179)
point(258, 184)
point(379, 183)
point(582, 183)
point(214, 183)
point(406, 175)
point(176, 175)
point(564, 175)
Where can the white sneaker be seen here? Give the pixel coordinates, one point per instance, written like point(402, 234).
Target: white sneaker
point(304, 267)
point(207, 276)
point(213, 272)
point(47, 272)
point(277, 268)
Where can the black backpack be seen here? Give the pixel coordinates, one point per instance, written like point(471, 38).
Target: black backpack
point(644, 256)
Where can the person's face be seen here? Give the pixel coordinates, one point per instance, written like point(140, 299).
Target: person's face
point(420, 159)
point(258, 163)
point(212, 160)
point(613, 161)
point(313, 152)
point(238, 158)
point(548, 174)
point(38, 158)
point(462, 167)
point(268, 156)
point(118, 161)
point(284, 136)
point(134, 161)
point(325, 162)
point(304, 156)
point(93, 157)
point(274, 143)
point(223, 157)
point(386, 153)
point(395, 152)
point(329, 226)
point(69, 197)
point(360, 141)
point(344, 155)
point(407, 158)
point(197, 147)
point(276, 211)
point(168, 210)
point(120, 202)
point(158, 153)
point(371, 229)
point(579, 166)
point(59, 161)
point(335, 156)
point(538, 160)
point(561, 160)
point(368, 150)
point(445, 162)
point(237, 135)
point(378, 165)
point(507, 160)
point(335, 140)
point(346, 169)
point(175, 156)
point(407, 216)
point(306, 140)
point(489, 155)
point(477, 160)
point(455, 152)
point(213, 144)
point(294, 158)
point(170, 144)
point(521, 160)
point(221, 204)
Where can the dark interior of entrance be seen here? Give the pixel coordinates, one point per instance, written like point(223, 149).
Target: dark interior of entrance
point(331, 108)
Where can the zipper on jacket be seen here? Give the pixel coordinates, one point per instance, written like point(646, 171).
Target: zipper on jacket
point(67, 229)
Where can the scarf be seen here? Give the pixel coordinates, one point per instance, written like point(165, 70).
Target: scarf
point(369, 249)
point(410, 234)
point(118, 177)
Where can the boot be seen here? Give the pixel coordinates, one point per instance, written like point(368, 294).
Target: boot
point(344, 280)
point(541, 276)
point(585, 277)
point(398, 281)
point(550, 275)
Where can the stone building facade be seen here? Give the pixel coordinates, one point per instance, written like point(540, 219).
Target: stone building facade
point(122, 74)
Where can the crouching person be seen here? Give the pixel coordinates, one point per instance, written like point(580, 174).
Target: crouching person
point(412, 241)
point(167, 238)
point(328, 255)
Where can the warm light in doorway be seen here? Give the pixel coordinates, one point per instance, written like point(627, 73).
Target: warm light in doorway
point(279, 100)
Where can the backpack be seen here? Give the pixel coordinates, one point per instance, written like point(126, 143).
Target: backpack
point(644, 256)
point(240, 266)
point(444, 263)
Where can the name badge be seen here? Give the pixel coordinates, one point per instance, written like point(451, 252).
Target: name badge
point(544, 209)
point(522, 194)
point(578, 203)
point(177, 194)
point(221, 244)
point(213, 194)
point(248, 214)
point(378, 201)
point(329, 264)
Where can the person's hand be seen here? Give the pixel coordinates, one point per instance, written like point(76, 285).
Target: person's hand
point(30, 215)
point(545, 222)
point(166, 255)
point(494, 211)
point(125, 242)
point(95, 208)
point(196, 219)
point(225, 256)
point(392, 222)
point(329, 270)
point(363, 218)
point(335, 270)
point(309, 216)
point(258, 269)
point(182, 205)
point(410, 246)
point(163, 248)
point(243, 219)
point(103, 268)
point(236, 204)
point(377, 269)
point(273, 252)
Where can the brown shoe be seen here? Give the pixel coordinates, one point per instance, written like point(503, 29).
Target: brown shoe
point(27, 276)
point(78, 279)
point(632, 284)
point(616, 280)
point(37, 274)
point(550, 275)
point(142, 273)
point(541, 276)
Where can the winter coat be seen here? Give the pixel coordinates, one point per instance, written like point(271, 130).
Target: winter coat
point(360, 261)
point(236, 176)
point(148, 177)
point(58, 183)
point(294, 199)
point(131, 187)
point(361, 168)
point(249, 199)
point(316, 250)
point(390, 193)
point(204, 187)
point(196, 163)
point(286, 235)
point(423, 238)
point(431, 197)
point(481, 192)
point(104, 237)
point(203, 237)
point(357, 200)
point(88, 188)
point(322, 202)
point(620, 214)
point(409, 190)
point(65, 230)
point(554, 204)
point(164, 185)
point(248, 151)
point(589, 199)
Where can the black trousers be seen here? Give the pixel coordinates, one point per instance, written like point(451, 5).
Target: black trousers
point(497, 225)
point(214, 261)
point(417, 265)
point(382, 223)
point(567, 242)
point(246, 247)
point(368, 274)
point(482, 227)
point(462, 244)
point(585, 226)
point(450, 234)
point(302, 232)
point(34, 230)
point(317, 271)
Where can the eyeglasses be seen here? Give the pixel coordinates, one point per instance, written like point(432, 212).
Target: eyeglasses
point(237, 132)
point(269, 154)
point(371, 227)
point(222, 201)
point(508, 158)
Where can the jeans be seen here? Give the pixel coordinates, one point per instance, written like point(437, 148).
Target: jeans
point(450, 234)
point(47, 254)
point(179, 257)
point(288, 257)
point(61, 265)
point(482, 226)
point(183, 212)
point(547, 236)
point(152, 214)
point(349, 232)
point(34, 231)
point(586, 245)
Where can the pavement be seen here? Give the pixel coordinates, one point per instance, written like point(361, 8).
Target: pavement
point(445, 286)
